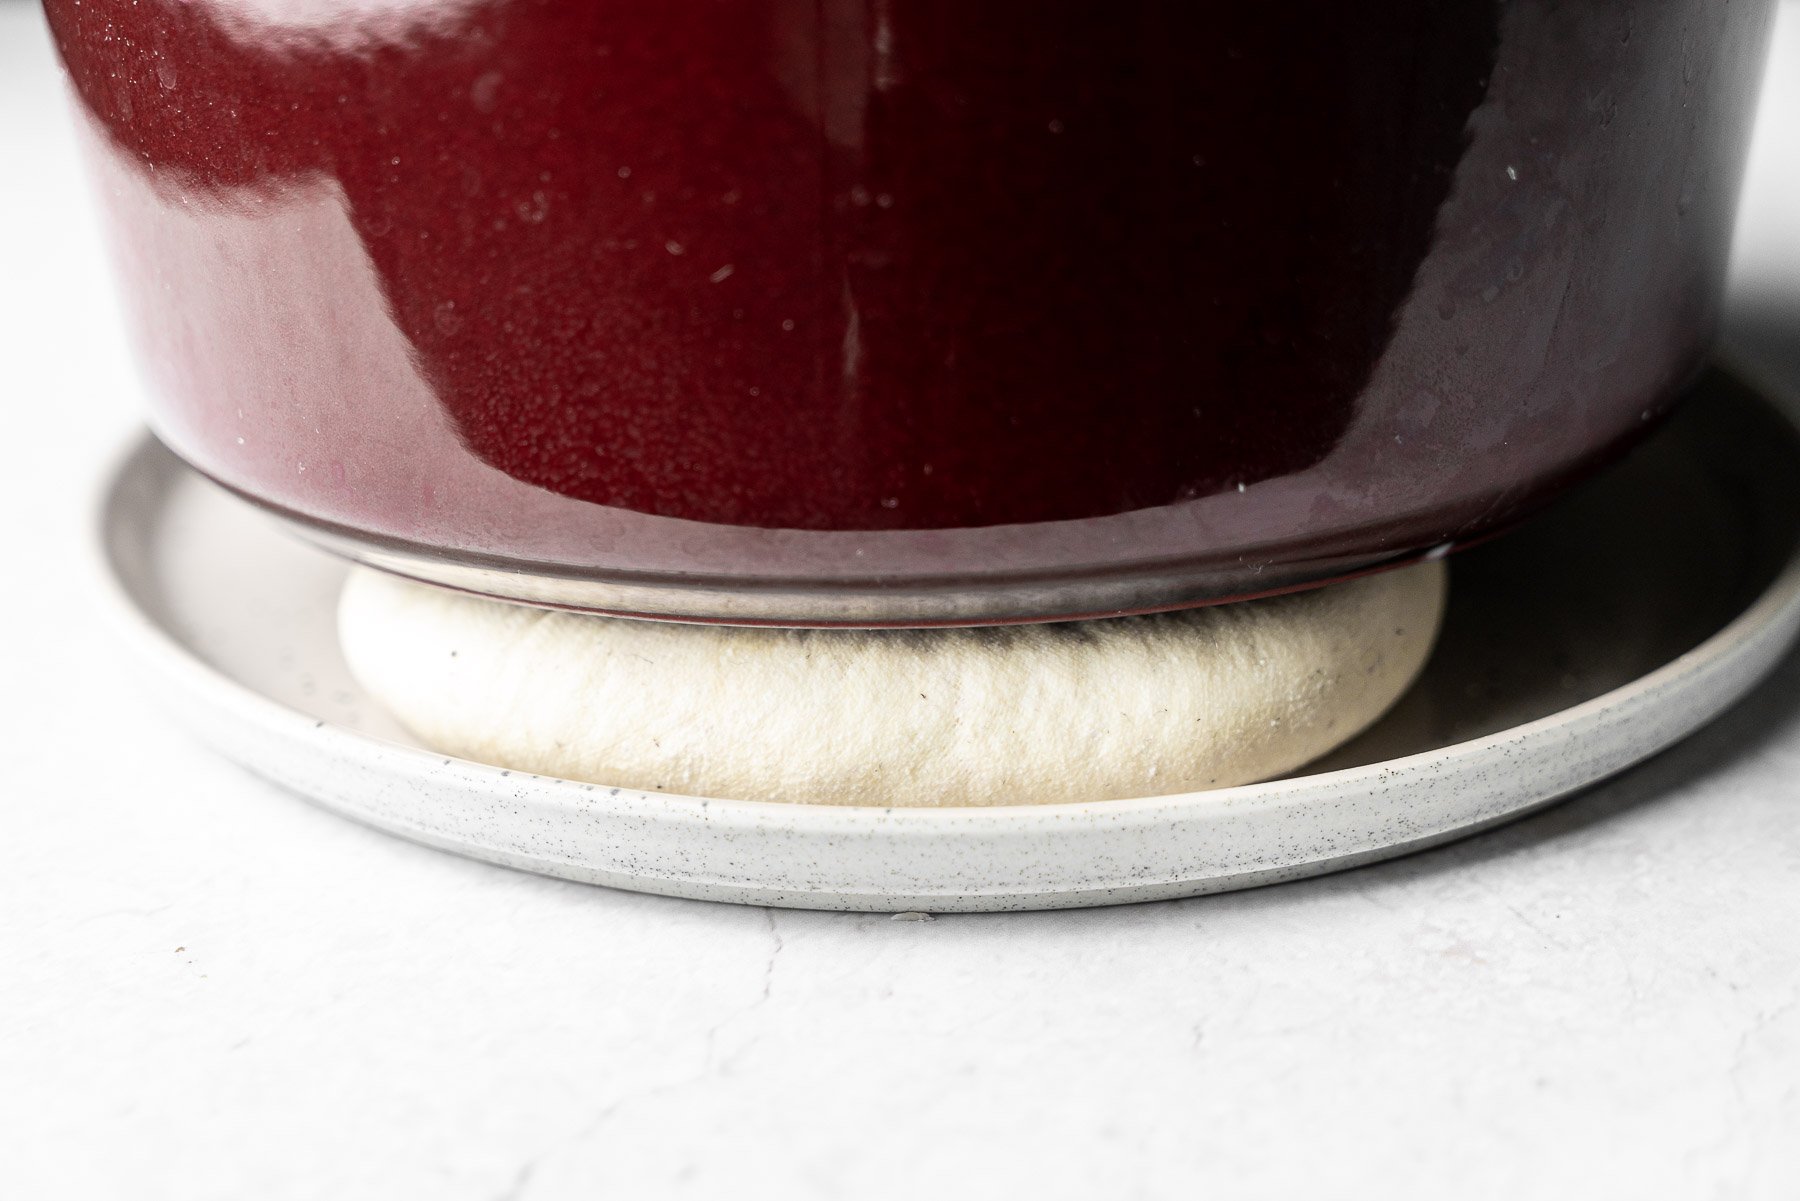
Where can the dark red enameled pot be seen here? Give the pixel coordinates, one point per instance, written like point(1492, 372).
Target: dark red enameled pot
point(911, 311)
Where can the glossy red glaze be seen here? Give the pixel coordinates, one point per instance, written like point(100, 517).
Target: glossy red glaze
point(811, 290)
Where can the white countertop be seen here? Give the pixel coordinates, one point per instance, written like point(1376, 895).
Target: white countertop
point(210, 989)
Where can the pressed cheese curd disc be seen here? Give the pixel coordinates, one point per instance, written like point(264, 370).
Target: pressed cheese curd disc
point(1074, 711)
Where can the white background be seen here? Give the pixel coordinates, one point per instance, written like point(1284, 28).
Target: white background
point(210, 989)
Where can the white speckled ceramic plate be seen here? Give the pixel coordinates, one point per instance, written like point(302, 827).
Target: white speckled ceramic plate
point(1603, 631)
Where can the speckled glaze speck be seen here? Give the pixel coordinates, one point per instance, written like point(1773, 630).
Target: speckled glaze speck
point(232, 622)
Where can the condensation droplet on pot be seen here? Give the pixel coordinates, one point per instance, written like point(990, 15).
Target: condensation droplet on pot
point(484, 93)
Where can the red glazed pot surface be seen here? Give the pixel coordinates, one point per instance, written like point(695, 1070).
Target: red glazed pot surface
point(911, 310)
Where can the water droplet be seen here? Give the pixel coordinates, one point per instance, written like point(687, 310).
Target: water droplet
point(1055, 126)
point(788, 325)
point(484, 93)
point(448, 320)
point(722, 274)
point(535, 209)
point(165, 74)
point(675, 248)
point(890, 502)
point(1512, 173)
